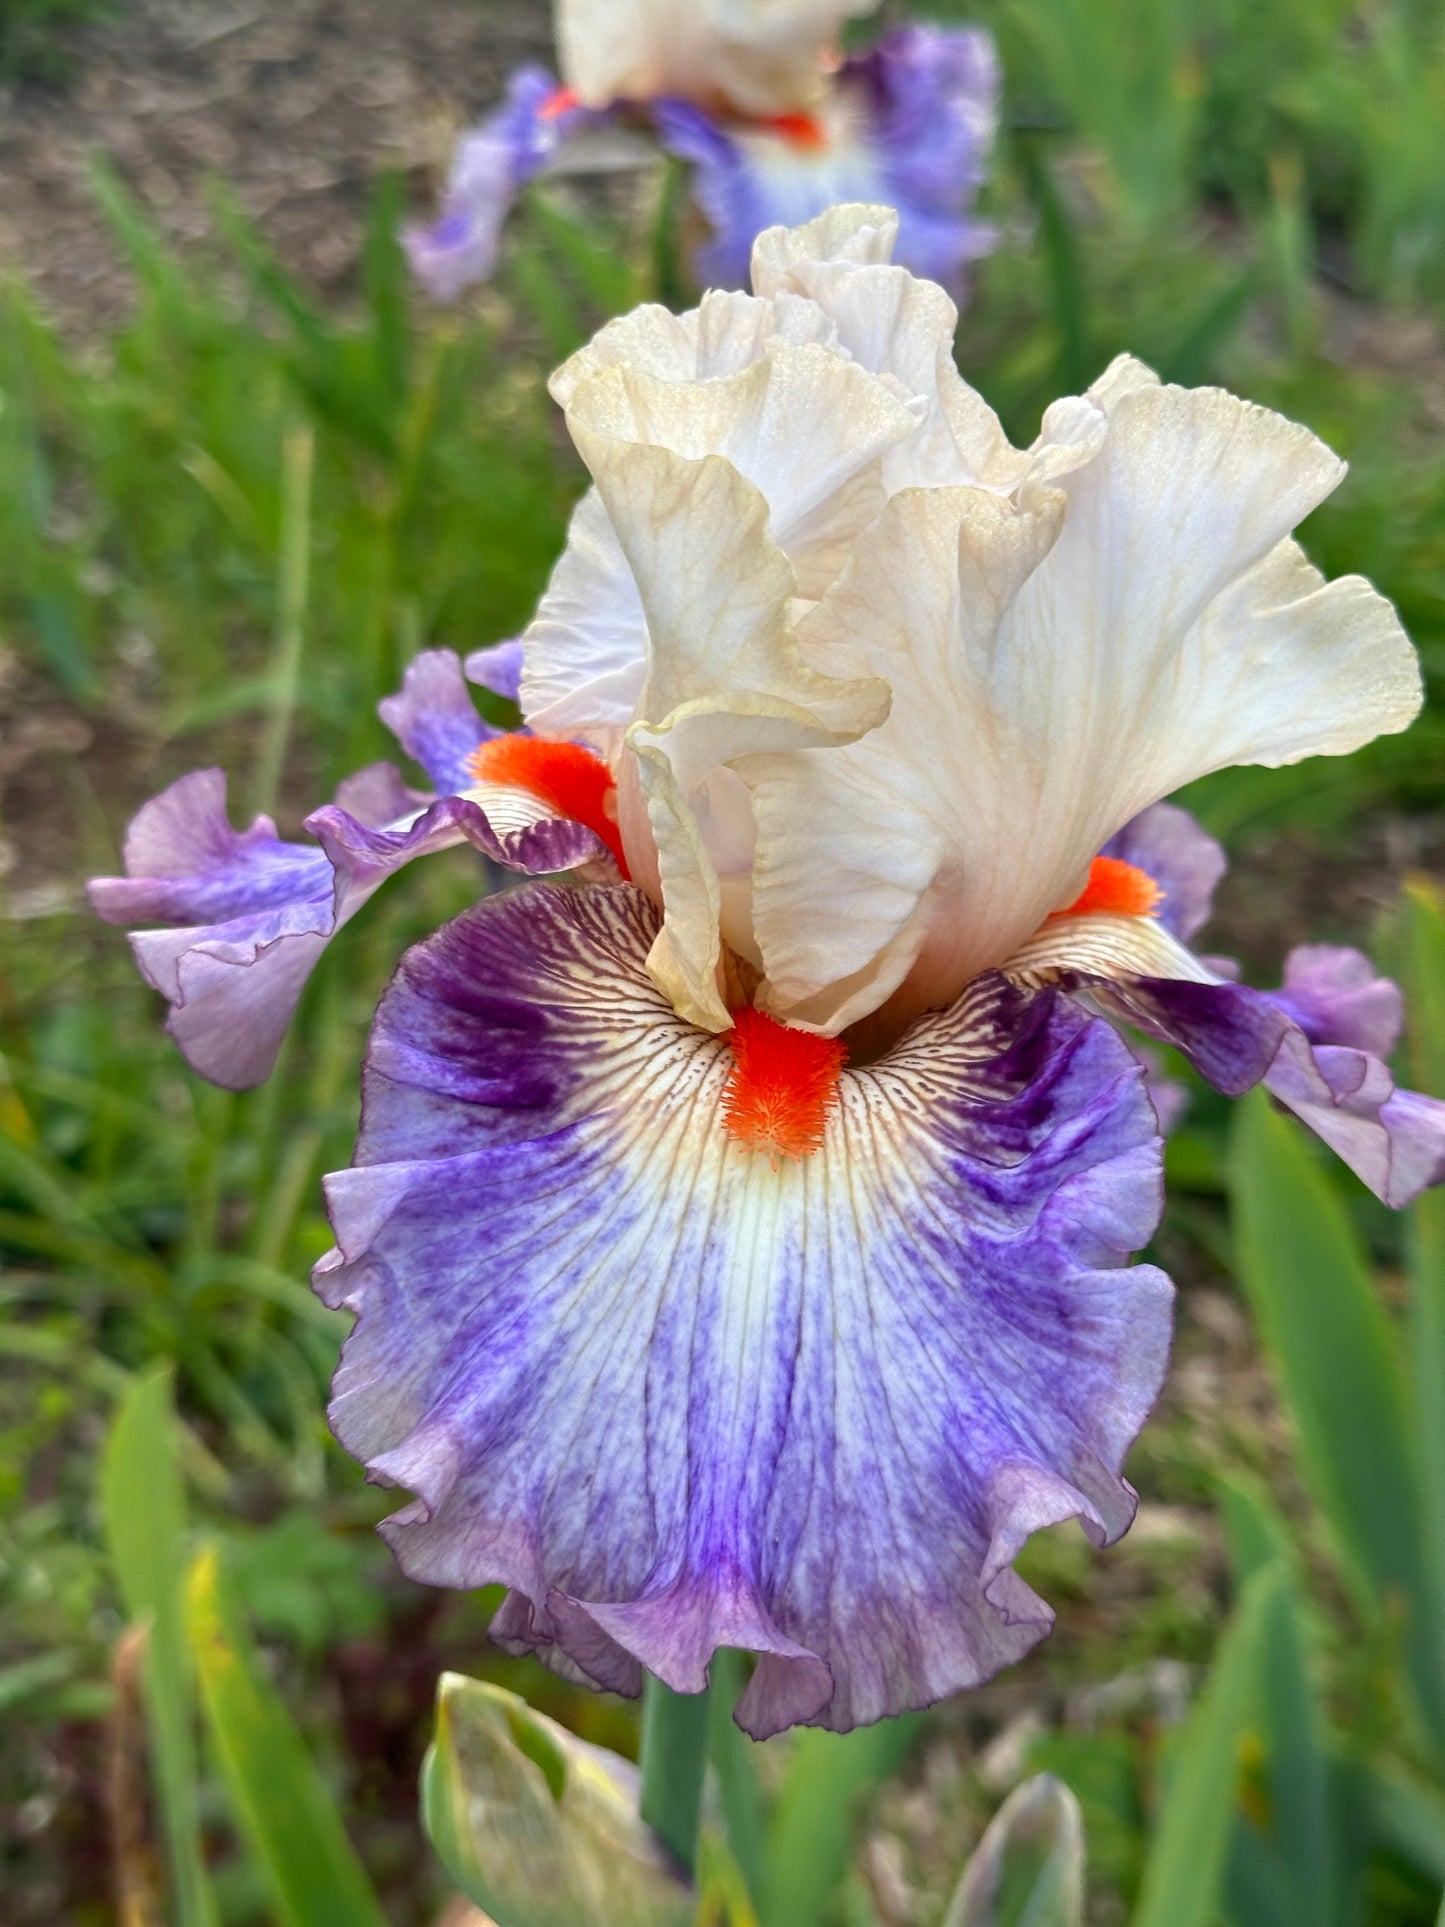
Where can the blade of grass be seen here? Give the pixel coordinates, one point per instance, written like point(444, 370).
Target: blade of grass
point(1184, 1873)
point(1405, 1816)
point(298, 451)
point(733, 1759)
point(811, 1836)
point(143, 1507)
point(1064, 270)
point(1301, 1265)
point(673, 1762)
point(285, 1808)
point(1422, 958)
point(1296, 1831)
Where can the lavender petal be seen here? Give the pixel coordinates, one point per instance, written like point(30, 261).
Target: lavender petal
point(250, 914)
point(435, 720)
point(499, 156)
point(1184, 860)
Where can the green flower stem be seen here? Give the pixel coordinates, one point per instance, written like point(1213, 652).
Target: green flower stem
point(674, 1759)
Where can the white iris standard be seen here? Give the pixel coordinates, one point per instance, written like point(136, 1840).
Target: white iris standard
point(876, 685)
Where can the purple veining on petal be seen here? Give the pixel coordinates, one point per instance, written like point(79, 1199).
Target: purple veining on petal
point(1238, 1037)
point(498, 667)
point(1336, 996)
point(499, 156)
point(923, 104)
point(435, 720)
point(251, 914)
point(1230, 1033)
point(676, 1399)
point(1184, 860)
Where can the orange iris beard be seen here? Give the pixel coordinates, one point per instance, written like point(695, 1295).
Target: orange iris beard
point(1116, 886)
point(805, 131)
point(570, 779)
point(560, 101)
point(783, 1085)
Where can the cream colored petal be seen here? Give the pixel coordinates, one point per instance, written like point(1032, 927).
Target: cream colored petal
point(1328, 667)
point(724, 334)
point(1158, 642)
point(584, 654)
point(1124, 375)
point(894, 324)
point(651, 337)
point(1043, 695)
point(854, 232)
point(802, 424)
point(759, 56)
point(1104, 945)
point(725, 677)
point(857, 845)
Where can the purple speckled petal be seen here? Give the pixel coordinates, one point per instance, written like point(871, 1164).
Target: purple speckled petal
point(498, 667)
point(435, 720)
point(251, 914)
point(502, 154)
point(1336, 996)
point(677, 1398)
point(1184, 860)
point(909, 124)
point(1238, 1037)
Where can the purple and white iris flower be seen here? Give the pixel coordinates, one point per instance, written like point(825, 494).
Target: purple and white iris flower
point(756, 96)
point(739, 1229)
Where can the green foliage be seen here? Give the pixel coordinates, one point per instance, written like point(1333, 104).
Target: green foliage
point(1332, 105)
point(1184, 1875)
point(32, 45)
point(1331, 1344)
point(144, 1511)
point(278, 1796)
point(809, 1841)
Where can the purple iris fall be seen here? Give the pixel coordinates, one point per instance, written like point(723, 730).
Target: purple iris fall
point(774, 122)
point(739, 1231)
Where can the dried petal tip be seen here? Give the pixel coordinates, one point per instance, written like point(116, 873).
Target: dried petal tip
point(783, 1085)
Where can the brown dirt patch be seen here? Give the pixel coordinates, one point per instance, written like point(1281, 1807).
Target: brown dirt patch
point(294, 103)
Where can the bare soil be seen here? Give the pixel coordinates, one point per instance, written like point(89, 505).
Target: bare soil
point(294, 103)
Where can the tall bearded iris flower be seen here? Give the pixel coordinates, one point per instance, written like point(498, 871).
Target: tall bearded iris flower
point(738, 1231)
point(756, 96)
